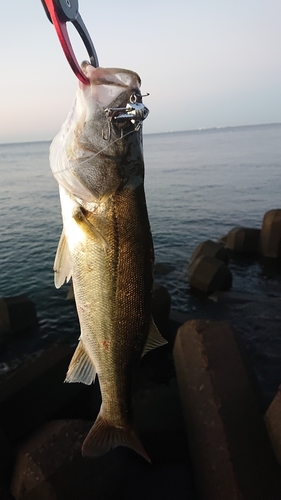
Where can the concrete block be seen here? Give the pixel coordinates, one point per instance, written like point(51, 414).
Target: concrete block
point(160, 307)
point(50, 466)
point(231, 454)
point(22, 313)
point(222, 240)
point(6, 465)
point(45, 461)
point(209, 274)
point(35, 392)
point(243, 240)
point(5, 494)
point(157, 408)
point(232, 297)
point(273, 424)
point(4, 317)
point(5, 326)
point(6, 460)
point(210, 248)
point(270, 237)
point(163, 268)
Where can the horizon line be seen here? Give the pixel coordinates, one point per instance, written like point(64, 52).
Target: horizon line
point(200, 129)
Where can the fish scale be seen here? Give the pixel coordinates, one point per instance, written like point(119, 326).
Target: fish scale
point(107, 246)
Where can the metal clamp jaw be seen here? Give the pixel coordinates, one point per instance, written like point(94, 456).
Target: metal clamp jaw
point(60, 12)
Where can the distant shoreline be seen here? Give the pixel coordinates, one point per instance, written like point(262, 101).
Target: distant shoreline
point(218, 128)
point(200, 130)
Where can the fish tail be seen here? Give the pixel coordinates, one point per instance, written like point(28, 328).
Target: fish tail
point(104, 436)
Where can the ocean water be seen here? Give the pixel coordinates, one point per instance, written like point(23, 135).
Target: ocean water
point(199, 184)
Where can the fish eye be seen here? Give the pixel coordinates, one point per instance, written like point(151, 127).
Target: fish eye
point(136, 97)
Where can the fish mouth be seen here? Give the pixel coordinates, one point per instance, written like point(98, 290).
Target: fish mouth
point(90, 151)
point(106, 84)
point(134, 113)
point(118, 76)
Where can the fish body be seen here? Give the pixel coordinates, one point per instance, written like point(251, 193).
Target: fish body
point(107, 247)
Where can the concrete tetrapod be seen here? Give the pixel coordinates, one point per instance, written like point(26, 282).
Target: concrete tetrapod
point(229, 447)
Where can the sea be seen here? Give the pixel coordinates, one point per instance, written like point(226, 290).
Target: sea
point(199, 184)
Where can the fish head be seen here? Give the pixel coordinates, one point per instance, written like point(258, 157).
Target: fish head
point(99, 147)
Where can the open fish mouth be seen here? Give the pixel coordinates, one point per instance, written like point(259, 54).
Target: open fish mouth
point(106, 85)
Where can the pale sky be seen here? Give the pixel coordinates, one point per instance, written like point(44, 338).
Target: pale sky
point(205, 63)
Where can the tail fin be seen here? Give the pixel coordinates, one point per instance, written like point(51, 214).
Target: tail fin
point(103, 436)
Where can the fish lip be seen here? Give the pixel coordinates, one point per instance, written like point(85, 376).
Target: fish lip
point(120, 77)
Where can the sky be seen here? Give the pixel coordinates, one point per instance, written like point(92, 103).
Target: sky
point(204, 63)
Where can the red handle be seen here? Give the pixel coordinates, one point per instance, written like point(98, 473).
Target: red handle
point(62, 33)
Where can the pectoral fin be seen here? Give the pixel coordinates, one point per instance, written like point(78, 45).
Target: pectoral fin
point(154, 338)
point(62, 264)
point(81, 368)
point(88, 228)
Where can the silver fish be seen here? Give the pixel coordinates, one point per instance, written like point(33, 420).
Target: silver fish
point(106, 246)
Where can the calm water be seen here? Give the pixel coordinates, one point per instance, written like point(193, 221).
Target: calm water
point(198, 185)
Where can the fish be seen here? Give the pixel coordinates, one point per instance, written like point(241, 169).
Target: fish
point(106, 246)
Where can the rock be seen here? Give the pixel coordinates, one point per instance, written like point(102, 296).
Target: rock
point(273, 424)
point(222, 240)
point(163, 268)
point(17, 315)
point(243, 240)
point(5, 326)
point(157, 408)
point(164, 481)
point(209, 274)
point(229, 447)
point(210, 248)
point(5, 493)
point(270, 237)
point(35, 392)
point(6, 460)
point(22, 313)
point(235, 297)
point(178, 317)
point(6, 464)
point(160, 307)
point(46, 461)
point(50, 466)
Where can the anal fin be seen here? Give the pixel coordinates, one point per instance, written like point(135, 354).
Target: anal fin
point(154, 338)
point(81, 368)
